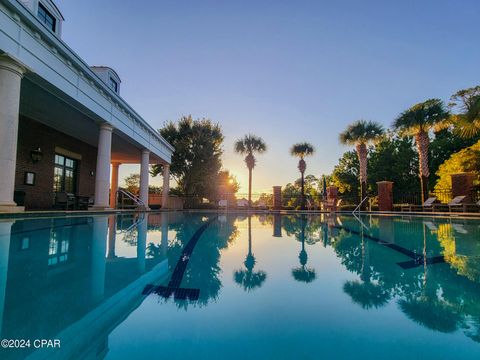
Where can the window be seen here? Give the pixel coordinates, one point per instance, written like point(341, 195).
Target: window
point(46, 17)
point(64, 175)
point(58, 246)
point(114, 85)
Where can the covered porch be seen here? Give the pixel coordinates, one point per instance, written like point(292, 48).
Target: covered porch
point(64, 154)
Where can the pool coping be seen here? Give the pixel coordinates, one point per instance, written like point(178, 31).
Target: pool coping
point(75, 213)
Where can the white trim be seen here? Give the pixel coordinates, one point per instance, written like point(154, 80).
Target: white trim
point(67, 153)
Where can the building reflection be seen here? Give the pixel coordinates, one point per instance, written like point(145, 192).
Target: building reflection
point(58, 278)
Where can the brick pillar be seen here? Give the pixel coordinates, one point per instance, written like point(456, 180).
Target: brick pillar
point(462, 184)
point(332, 195)
point(385, 196)
point(277, 197)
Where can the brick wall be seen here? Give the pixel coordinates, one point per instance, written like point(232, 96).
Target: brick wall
point(33, 135)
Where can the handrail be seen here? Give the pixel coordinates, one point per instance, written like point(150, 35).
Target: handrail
point(359, 205)
point(135, 224)
point(137, 201)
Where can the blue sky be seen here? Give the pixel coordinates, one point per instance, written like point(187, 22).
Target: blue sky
point(287, 71)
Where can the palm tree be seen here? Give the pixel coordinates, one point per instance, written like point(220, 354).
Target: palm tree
point(417, 121)
point(248, 278)
point(249, 145)
point(360, 134)
point(467, 122)
point(301, 150)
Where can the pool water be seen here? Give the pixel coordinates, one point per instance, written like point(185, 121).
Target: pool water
point(208, 286)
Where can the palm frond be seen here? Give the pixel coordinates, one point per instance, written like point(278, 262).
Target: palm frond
point(361, 131)
point(250, 144)
point(421, 117)
point(302, 149)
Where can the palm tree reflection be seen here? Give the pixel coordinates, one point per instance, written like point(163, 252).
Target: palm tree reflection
point(366, 292)
point(303, 273)
point(424, 305)
point(249, 279)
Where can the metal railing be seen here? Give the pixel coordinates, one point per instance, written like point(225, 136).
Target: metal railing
point(126, 199)
point(357, 208)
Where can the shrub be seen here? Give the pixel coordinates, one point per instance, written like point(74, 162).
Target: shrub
point(466, 160)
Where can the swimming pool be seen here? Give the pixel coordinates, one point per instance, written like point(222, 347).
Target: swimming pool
point(206, 285)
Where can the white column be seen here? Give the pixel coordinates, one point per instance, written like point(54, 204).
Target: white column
point(102, 176)
point(142, 229)
point(112, 236)
point(11, 74)
point(114, 185)
point(164, 243)
point(144, 173)
point(98, 261)
point(166, 185)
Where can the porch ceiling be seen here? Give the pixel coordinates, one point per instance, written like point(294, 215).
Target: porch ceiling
point(42, 104)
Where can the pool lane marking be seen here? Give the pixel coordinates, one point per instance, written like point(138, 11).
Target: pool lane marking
point(417, 260)
point(173, 286)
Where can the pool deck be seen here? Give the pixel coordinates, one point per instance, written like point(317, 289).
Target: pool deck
point(70, 213)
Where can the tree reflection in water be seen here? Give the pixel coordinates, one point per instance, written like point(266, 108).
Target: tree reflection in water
point(446, 300)
point(441, 297)
point(249, 279)
point(366, 293)
point(302, 273)
point(203, 271)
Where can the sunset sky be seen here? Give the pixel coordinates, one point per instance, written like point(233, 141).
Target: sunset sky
point(287, 71)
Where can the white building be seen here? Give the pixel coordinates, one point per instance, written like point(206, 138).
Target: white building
point(63, 126)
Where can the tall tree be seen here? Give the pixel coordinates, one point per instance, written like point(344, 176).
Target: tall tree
point(417, 121)
point(360, 134)
point(446, 143)
point(228, 186)
point(196, 161)
point(249, 145)
point(345, 177)
point(301, 150)
point(394, 158)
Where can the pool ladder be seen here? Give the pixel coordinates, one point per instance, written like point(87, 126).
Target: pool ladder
point(357, 209)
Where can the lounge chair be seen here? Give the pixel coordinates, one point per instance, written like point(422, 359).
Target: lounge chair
point(65, 201)
point(84, 202)
point(468, 207)
point(455, 203)
point(427, 205)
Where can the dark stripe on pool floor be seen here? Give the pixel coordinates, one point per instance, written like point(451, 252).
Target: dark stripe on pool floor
point(418, 260)
point(173, 286)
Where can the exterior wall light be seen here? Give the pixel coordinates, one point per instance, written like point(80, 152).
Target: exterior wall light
point(36, 155)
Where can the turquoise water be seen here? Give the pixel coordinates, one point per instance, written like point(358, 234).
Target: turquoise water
point(209, 286)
